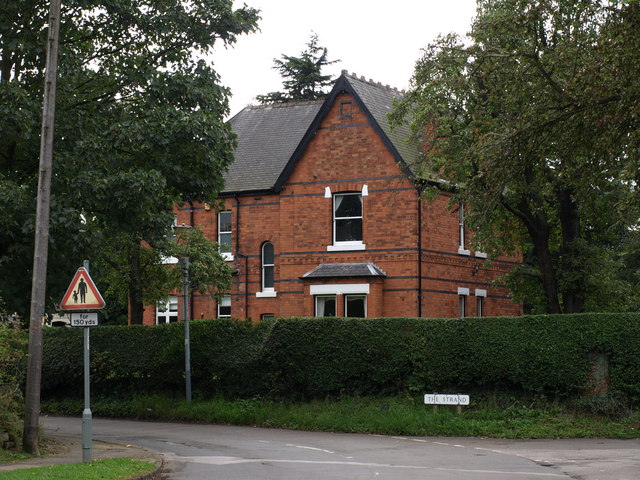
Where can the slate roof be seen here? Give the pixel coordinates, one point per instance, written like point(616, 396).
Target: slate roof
point(271, 138)
point(378, 99)
point(267, 137)
point(331, 270)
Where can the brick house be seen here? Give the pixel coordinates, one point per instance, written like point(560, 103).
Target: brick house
point(321, 217)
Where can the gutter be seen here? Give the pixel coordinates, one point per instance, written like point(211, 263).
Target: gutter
point(420, 253)
point(246, 259)
point(191, 223)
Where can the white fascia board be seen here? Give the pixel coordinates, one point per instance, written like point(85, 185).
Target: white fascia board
point(339, 289)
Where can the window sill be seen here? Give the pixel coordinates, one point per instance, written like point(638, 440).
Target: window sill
point(462, 251)
point(346, 246)
point(481, 255)
point(228, 257)
point(267, 294)
point(169, 260)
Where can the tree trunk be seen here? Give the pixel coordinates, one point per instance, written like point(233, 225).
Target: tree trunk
point(573, 288)
point(540, 236)
point(537, 225)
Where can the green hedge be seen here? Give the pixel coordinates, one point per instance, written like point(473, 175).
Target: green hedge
point(307, 358)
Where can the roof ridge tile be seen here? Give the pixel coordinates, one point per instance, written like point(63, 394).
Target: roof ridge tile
point(372, 82)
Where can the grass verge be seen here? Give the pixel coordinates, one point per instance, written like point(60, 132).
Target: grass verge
point(8, 456)
point(108, 469)
point(388, 416)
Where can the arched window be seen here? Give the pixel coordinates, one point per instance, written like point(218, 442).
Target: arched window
point(268, 258)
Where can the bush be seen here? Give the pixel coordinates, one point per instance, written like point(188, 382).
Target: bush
point(13, 343)
point(305, 358)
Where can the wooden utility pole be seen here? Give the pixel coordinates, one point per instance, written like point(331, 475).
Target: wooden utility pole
point(41, 250)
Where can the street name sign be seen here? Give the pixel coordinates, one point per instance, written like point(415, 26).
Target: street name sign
point(439, 399)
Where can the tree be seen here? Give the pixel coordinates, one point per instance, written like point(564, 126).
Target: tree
point(535, 123)
point(140, 127)
point(302, 76)
point(208, 271)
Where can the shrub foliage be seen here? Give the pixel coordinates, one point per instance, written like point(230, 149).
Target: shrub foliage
point(305, 358)
point(12, 362)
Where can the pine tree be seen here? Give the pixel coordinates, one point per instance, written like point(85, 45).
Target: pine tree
point(302, 76)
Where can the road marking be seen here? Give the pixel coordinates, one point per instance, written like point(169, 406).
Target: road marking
point(537, 474)
point(220, 460)
point(311, 448)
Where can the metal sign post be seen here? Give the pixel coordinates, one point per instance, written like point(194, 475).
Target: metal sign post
point(81, 296)
point(87, 420)
point(86, 413)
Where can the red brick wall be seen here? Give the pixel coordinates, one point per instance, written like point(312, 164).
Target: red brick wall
point(344, 155)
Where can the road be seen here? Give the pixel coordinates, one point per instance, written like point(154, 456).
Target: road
point(211, 452)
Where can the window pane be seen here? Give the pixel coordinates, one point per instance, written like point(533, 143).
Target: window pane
point(326, 306)
point(268, 277)
point(224, 219)
point(348, 206)
point(224, 306)
point(167, 311)
point(349, 230)
point(224, 231)
point(225, 242)
point(173, 303)
point(461, 225)
point(355, 306)
point(267, 254)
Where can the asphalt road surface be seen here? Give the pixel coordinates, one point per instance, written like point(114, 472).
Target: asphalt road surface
point(214, 452)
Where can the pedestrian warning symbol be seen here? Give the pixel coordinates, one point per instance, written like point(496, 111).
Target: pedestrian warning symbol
point(82, 293)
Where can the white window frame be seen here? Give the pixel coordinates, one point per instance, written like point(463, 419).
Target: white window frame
point(463, 293)
point(481, 294)
point(462, 250)
point(267, 291)
point(225, 301)
point(346, 298)
point(351, 245)
point(228, 256)
point(318, 297)
point(167, 312)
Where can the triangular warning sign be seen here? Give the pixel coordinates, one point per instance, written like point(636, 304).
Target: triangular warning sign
point(82, 293)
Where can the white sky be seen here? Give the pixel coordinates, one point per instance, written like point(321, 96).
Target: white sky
point(380, 40)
